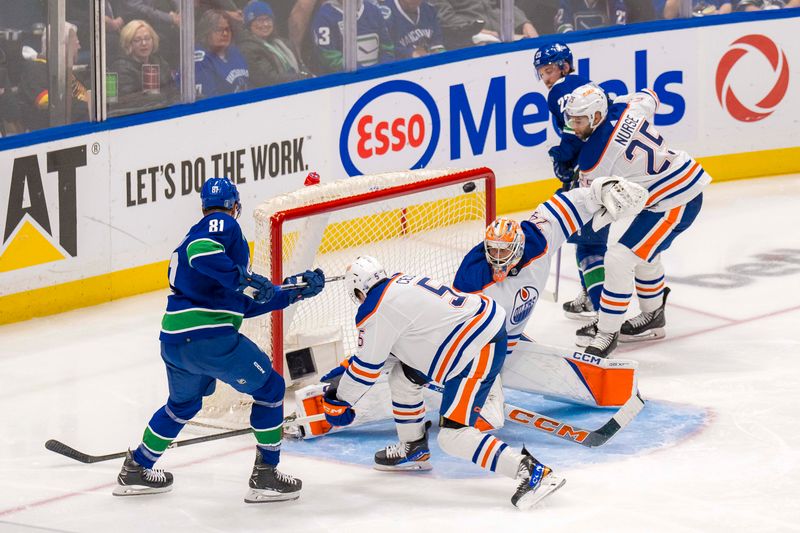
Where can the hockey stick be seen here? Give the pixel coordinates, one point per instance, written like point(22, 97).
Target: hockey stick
point(68, 451)
point(303, 284)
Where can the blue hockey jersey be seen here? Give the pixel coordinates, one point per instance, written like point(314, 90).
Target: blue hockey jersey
point(419, 33)
point(374, 44)
point(214, 76)
point(203, 278)
point(586, 14)
point(570, 146)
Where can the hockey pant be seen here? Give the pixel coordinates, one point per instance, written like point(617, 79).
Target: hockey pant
point(408, 406)
point(462, 402)
point(192, 369)
point(635, 261)
point(590, 249)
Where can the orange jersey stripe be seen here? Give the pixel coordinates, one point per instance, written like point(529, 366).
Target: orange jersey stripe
point(488, 452)
point(648, 289)
point(654, 197)
point(557, 202)
point(614, 304)
point(408, 413)
point(363, 373)
point(643, 251)
point(459, 413)
point(460, 337)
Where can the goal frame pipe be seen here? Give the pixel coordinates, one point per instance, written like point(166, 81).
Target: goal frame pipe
point(277, 220)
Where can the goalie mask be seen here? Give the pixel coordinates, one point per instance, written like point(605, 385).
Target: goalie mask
point(361, 275)
point(586, 109)
point(503, 245)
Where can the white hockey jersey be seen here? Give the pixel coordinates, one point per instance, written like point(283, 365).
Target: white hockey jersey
point(426, 325)
point(627, 145)
point(548, 228)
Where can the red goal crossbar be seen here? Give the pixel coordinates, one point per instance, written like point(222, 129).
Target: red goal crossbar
point(277, 220)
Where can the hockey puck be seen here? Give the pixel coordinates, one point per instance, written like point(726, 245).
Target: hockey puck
point(469, 186)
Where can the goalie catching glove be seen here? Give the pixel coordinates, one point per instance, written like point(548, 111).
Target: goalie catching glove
point(337, 412)
point(616, 198)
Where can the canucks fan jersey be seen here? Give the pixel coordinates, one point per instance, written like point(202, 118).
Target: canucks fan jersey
point(587, 14)
point(626, 144)
point(214, 76)
point(374, 44)
point(412, 32)
point(426, 325)
point(556, 102)
point(548, 228)
point(203, 278)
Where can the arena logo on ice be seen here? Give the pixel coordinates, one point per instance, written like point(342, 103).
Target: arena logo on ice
point(751, 63)
point(397, 119)
point(523, 304)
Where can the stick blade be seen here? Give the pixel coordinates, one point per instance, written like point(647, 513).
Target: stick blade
point(67, 451)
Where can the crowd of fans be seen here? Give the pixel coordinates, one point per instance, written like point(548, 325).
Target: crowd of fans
point(244, 44)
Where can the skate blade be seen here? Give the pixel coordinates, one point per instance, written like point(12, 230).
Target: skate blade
point(649, 335)
point(582, 342)
point(583, 316)
point(549, 485)
point(138, 490)
point(412, 466)
point(269, 496)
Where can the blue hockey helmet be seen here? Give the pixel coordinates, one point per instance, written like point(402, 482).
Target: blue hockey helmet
point(220, 193)
point(553, 54)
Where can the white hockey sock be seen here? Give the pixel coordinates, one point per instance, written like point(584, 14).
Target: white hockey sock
point(650, 284)
point(408, 406)
point(617, 287)
point(484, 450)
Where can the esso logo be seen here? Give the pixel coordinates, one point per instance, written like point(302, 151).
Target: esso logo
point(393, 125)
point(752, 78)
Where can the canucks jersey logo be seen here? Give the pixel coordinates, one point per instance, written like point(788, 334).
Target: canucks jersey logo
point(523, 304)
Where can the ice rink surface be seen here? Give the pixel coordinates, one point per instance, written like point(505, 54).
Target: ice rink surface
point(724, 387)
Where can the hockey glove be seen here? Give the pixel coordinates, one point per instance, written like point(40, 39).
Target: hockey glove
point(564, 169)
point(335, 374)
point(337, 412)
point(263, 290)
point(616, 198)
point(314, 280)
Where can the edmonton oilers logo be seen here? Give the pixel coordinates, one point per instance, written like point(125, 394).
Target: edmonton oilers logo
point(750, 48)
point(523, 303)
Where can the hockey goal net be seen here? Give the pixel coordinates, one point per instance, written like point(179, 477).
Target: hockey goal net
point(418, 222)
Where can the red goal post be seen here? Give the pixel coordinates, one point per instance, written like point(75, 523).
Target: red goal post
point(403, 191)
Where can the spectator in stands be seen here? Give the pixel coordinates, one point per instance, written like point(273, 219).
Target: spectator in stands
point(270, 59)
point(374, 44)
point(114, 23)
point(298, 24)
point(34, 91)
point(219, 66)
point(587, 14)
point(144, 78)
point(165, 18)
point(468, 22)
point(414, 28)
point(9, 107)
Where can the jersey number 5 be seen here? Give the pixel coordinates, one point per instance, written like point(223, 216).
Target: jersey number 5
point(456, 300)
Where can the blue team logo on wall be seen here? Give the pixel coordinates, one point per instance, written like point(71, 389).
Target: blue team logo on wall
point(395, 124)
point(523, 304)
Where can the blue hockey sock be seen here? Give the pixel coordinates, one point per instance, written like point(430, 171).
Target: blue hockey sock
point(266, 418)
point(162, 429)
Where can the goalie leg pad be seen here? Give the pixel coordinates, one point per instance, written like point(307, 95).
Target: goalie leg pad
point(309, 402)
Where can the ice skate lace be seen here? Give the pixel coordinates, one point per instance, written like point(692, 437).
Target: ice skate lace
point(396, 450)
point(154, 476)
point(285, 478)
point(602, 340)
point(641, 319)
point(589, 329)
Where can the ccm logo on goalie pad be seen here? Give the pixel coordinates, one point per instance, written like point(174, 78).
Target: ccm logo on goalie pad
point(547, 424)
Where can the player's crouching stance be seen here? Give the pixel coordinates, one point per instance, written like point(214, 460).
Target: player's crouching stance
point(200, 343)
point(451, 338)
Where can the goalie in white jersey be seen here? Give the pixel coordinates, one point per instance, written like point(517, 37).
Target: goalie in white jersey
point(622, 141)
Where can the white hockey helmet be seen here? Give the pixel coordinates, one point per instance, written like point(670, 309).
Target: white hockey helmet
point(503, 245)
point(586, 101)
point(361, 275)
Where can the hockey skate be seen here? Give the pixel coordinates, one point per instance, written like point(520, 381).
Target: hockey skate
point(580, 308)
point(268, 484)
point(536, 482)
point(645, 326)
point(134, 479)
point(585, 335)
point(405, 455)
point(602, 344)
